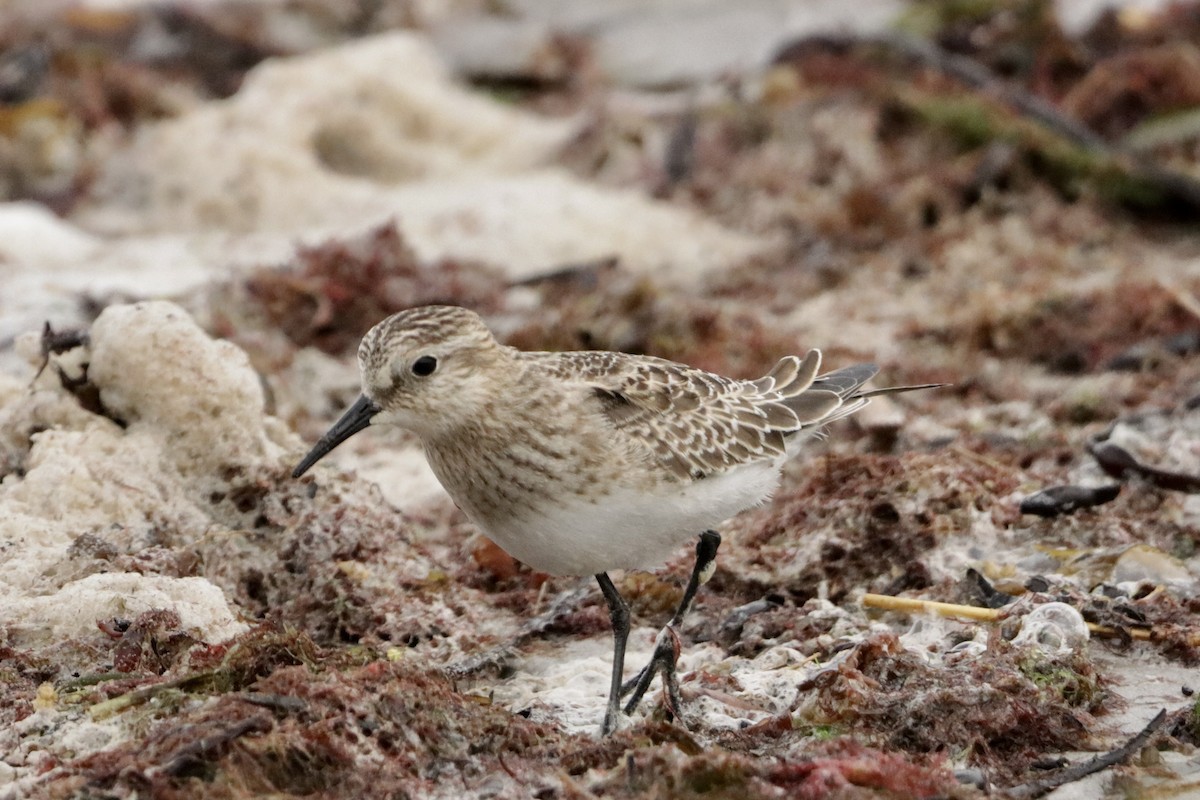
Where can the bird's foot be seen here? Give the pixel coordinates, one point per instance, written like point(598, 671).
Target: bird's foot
point(666, 654)
point(611, 715)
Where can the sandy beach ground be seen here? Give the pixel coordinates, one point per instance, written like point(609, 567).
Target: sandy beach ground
point(205, 205)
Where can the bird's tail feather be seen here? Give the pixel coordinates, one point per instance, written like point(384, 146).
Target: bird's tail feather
point(846, 383)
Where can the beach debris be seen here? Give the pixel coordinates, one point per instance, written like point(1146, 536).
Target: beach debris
point(1058, 500)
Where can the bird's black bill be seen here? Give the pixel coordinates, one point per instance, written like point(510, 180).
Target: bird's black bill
point(357, 417)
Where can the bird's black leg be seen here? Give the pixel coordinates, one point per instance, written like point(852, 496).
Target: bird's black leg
point(618, 614)
point(666, 646)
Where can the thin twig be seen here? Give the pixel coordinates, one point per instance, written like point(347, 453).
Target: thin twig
point(1170, 182)
point(1183, 298)
point(978, 76)
point(981, 614)
point(197, 751)
point(562, 604)
point(115, 705)
point(279, 702)
point(1032, 789)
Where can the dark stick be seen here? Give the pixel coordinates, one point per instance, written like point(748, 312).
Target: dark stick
point(1080, 771)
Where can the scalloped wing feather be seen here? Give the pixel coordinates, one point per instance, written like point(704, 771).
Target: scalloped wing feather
point(696, 423)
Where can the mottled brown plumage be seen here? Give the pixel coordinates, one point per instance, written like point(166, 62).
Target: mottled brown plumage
point(584, 462)
point(692, 422)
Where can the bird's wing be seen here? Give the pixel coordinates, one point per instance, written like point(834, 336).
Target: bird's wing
point(696, 423)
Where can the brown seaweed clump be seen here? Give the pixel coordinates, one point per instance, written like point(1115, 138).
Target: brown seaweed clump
point(320, 726)
point(607, 308)
point(335, 291)
point(1002, 710)
point(859, 520)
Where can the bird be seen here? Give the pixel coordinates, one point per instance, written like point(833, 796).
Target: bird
point(586, 462)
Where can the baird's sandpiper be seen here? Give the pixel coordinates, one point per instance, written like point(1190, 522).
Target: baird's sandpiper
point(584, 462)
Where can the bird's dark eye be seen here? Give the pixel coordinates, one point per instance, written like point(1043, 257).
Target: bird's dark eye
point(425, 365)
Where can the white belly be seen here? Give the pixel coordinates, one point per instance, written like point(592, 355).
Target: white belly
point(628, 529)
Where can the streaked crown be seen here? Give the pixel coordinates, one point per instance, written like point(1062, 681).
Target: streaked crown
point(423, 365)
